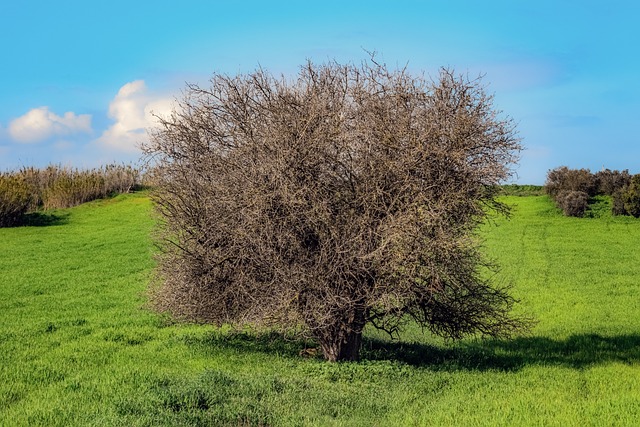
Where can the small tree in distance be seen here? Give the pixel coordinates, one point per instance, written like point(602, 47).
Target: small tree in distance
point(346, 197)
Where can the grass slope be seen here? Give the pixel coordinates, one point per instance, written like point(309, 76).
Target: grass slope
point(76, 348)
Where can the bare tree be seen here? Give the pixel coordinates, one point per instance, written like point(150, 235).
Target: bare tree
point(349, 196)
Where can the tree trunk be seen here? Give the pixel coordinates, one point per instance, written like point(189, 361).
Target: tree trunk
point(345, 347)
point(343, 340)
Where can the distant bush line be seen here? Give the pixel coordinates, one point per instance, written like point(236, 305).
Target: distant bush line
point(55, 187)
point(522, 190)
point(575, 191)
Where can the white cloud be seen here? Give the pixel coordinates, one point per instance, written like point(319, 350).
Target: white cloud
point(132, 110)
point(40, 124)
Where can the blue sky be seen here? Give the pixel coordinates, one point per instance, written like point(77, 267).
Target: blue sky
point(78, 79)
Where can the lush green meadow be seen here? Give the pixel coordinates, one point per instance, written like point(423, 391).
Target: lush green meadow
point(78, 348)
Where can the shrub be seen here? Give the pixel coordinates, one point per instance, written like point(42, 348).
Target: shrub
point(563, 179)
point(56, 187)
point(15, 198)
point(627, 200)
point(573, 203)
point(609, 182)
point(119, 179)
point(66, 187)
point(617, 205)
point(572, 190)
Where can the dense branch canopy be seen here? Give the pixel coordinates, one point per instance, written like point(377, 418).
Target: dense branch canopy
point(348, 196)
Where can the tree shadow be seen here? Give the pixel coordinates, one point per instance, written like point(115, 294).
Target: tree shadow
point(43, 219)
point(577, 351)
point(262, 342)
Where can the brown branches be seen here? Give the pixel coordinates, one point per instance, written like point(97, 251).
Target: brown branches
point(344, 197)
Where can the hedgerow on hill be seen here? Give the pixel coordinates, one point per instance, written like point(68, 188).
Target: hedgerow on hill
point(30, 189)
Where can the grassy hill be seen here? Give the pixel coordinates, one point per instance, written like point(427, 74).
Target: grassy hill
point(78, 348)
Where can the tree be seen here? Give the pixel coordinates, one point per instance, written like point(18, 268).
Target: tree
point(349, 196)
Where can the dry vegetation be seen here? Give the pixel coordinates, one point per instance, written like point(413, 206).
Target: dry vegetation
point(576, 190)
point(30, 189)
point(344, 198)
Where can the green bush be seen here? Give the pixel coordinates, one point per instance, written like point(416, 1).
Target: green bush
point(627, 200)
point(522, 190)
point(617, 205)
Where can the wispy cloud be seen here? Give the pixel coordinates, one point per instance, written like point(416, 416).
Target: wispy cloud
point(41, 124)
point(132, 110)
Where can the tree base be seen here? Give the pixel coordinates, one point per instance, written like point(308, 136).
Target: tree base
point(346, 348)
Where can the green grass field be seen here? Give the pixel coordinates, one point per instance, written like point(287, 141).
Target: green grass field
point(78, 348)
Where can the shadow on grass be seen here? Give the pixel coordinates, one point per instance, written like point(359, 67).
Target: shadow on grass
point(577, 351)
point(267, 342)
point(42, 219)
